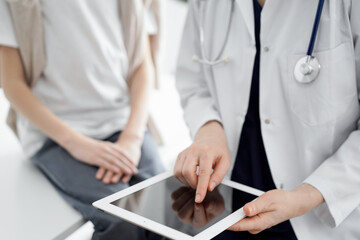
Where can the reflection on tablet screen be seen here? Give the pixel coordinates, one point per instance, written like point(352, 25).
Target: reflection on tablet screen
point(171, 203)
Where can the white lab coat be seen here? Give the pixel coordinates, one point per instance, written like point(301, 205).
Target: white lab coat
point(311, 132)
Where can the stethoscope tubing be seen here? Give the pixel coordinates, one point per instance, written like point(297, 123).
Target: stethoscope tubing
point(315, 28)
point(309, 58)
point(308, 67)
point(217, 59)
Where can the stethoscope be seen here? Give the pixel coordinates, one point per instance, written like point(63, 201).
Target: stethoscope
point(306, 69)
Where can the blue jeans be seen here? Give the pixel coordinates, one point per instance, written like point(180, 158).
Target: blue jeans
point(76, 183)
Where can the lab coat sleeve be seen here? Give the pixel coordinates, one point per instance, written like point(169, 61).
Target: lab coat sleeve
point(196, 99)
point(338, 178)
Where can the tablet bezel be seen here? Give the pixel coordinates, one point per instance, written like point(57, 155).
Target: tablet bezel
point(105, 205)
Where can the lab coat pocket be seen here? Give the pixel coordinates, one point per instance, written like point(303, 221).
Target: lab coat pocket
point(325, 99)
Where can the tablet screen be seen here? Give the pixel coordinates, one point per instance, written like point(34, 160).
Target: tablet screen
point(171, 203)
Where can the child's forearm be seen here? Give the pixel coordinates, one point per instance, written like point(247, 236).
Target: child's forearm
point(26, 103)
point(140, 87)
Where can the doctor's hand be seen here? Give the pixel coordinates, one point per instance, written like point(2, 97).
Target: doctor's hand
point(277, 206)
point(210, 153)
point(130, 147)
point(103, 154)
point(196, 214)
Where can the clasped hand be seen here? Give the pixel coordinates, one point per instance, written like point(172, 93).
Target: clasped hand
point(116, 161)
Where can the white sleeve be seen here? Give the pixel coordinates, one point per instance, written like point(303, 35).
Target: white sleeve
point(338, 178)
point(7, 34)
point(150, 22)
point(198, 104)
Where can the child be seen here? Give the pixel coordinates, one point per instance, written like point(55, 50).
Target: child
point(83, 120)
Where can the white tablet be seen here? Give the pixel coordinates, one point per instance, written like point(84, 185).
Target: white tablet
point(165, 206)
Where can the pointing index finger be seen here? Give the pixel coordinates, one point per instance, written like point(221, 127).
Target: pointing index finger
point(205, 168)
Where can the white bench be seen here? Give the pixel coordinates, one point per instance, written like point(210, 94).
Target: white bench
point(31, 208)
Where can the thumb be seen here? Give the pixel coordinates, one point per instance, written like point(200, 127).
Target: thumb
point(259, 205)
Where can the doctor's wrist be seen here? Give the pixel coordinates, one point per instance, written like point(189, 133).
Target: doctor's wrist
point(306, 198)
point(211, 128)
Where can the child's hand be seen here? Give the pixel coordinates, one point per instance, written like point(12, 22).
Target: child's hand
point(130, 147)
point(102, 154)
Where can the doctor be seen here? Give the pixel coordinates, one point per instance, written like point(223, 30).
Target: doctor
point(271, 97)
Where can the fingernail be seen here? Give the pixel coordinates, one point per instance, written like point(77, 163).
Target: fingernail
point(251, 209)
point(212, 186)
point(197, 198)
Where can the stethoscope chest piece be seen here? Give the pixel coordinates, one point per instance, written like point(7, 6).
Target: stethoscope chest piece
point(307, 69)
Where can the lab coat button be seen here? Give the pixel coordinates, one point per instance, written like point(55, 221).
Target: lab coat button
point(266, 49)
point(267, 121)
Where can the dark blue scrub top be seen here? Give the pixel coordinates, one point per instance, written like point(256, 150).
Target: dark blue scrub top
point(251, 166)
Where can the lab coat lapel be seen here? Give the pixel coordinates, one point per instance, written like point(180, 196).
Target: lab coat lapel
point(247, 11)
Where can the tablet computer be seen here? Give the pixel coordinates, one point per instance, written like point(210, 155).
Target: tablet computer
point(164, 205)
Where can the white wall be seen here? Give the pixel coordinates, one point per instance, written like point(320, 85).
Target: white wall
point(166, 104)
point(8, 142)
